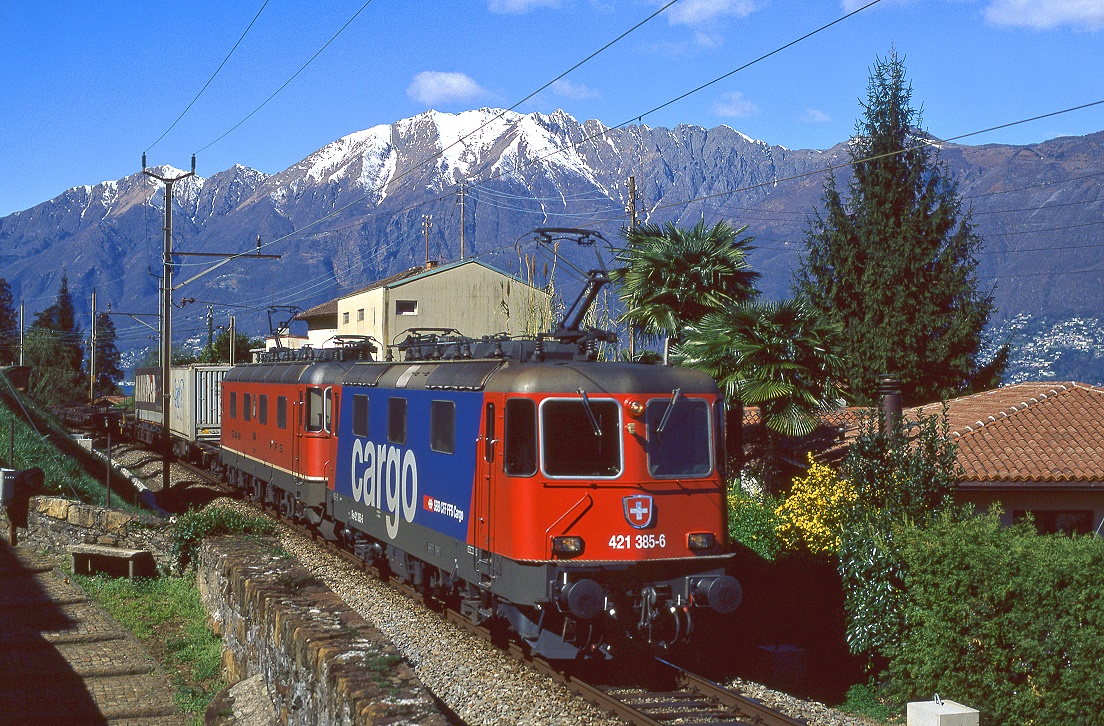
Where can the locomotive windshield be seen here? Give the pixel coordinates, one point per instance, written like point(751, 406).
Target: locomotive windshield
point(579, 442)
point(682, 447)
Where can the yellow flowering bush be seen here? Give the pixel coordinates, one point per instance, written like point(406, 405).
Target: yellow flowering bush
point(813, 513)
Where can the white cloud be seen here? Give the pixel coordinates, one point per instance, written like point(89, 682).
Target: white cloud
point(699, 12)
point(814, 116)
point(574, 91)
point(517, 7)
point(734, 105)
point(432, 87)
point(852, 5)
point(1083, 14)
point(682, 48)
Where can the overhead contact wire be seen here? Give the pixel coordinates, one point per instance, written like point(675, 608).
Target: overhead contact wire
point(188, 108)
point(288, 81)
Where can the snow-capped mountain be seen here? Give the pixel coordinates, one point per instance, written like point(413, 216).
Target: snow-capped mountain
point(351, 212)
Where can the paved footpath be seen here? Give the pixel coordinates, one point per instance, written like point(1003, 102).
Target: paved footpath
point(63, 660)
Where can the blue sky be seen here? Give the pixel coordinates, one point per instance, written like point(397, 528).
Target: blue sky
point(86, 87)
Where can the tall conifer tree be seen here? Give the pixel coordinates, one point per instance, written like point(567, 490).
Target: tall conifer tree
point(55, 353)
point(893, 263)
point(61, 318)
point(9, 326)
point(108, 373)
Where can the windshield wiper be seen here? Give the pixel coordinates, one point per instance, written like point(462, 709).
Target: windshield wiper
point(590, 413)
point(667, 414)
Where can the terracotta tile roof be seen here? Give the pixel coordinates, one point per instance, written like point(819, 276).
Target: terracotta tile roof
point(1030, 432)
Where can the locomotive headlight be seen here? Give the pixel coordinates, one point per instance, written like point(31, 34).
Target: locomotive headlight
point(701, 541)
point(567, 546)
point(636, 409)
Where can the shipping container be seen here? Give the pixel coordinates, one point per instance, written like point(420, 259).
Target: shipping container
point(195, 410)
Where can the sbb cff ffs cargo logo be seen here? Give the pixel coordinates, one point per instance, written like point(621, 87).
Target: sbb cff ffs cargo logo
point(639, 510)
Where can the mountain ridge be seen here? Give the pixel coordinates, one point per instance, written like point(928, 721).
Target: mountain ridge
point(371, 194)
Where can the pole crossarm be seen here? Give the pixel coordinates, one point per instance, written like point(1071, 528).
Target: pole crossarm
point(249, 255)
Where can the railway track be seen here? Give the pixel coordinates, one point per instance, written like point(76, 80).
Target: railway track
point(676, 695)
point(673, 697)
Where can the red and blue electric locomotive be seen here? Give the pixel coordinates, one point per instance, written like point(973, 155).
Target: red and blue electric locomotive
point(579, 501)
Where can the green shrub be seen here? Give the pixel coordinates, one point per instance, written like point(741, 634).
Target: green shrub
point(1004, 619)
point(899, 481)
point(752, 521)
point(188, 530)
point(873, 586)
point(864, 700)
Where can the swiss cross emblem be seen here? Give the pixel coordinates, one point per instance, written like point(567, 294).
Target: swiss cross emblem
point(639, 510)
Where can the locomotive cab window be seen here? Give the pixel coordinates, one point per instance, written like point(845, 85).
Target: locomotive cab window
point(328, 411)
point(262, 409)
point(396, 421)
point(233, 405)
point(281, 412)
point(442, 426)
point(315, 412)
point(581, 437)
point(678, 437)
point(246, 410)
point(360, 415)
point(521, 437)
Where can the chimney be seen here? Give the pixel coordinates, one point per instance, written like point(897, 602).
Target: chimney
point(889, 389)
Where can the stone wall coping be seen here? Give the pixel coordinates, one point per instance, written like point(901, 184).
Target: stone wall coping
point(323, 663)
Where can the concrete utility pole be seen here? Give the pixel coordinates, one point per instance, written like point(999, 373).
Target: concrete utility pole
point(21, 311)
point(460, 201)
point(631, 207)
point(233, 341)
point(92, 354)
point(210, 327)
point(425, 228)
point(166, 318)
point(631, 210)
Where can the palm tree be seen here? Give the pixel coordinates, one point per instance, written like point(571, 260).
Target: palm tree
point(775, 355)
point(672, 277)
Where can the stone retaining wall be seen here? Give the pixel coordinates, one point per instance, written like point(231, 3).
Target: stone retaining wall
point(56, 523)
point(323, 663)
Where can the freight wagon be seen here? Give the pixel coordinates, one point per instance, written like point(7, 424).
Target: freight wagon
point(195, 409)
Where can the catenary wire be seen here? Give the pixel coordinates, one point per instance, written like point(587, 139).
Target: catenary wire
point(189, 106)
point(289, 80)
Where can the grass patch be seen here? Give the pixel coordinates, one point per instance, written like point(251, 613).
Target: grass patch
point(862, 700)
point(36, 445)
point(189, 529)
point(167, 617)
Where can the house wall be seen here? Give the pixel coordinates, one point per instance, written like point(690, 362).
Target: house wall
point(470, 298)
point(1037, 500)
point(320, 330)
point(372, 303)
